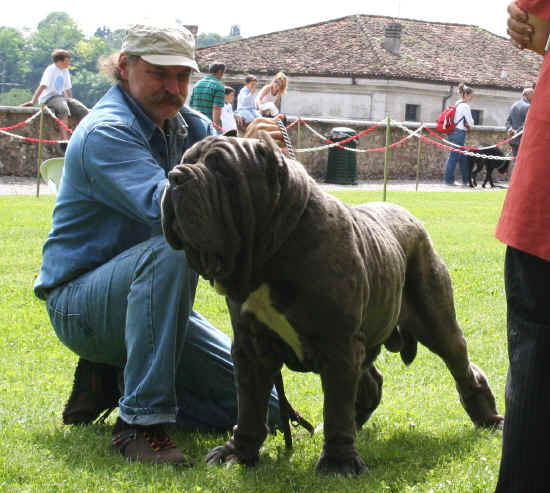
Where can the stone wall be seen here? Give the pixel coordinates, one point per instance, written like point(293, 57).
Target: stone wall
point(403, 158)
point(19, 158)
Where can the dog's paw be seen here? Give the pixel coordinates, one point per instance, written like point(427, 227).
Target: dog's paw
point(348, 463)
point(229, 454)
point(478, 400)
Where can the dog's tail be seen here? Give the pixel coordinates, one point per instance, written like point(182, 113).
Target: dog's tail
point(410, 346)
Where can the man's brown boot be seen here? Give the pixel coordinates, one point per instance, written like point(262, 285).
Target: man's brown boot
point(147, 444)
point(95, 392)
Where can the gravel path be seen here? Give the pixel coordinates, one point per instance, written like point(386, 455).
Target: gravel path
point(17, 185)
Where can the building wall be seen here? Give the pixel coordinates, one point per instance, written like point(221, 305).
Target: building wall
point(367, 99)
point(20, 158)
point(426, 157)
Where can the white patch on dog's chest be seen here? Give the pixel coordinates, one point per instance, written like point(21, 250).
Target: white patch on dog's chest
point(259, 303)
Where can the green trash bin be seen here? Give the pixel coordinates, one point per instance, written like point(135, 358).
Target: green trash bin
point(342, 164)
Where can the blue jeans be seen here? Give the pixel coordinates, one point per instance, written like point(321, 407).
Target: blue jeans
point(457, 137)
point(135, 312)
point(248, 114)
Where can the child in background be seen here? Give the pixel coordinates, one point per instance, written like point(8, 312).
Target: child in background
point(230, 119)
point(246, 102)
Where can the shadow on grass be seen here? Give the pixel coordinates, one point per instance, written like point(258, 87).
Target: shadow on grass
point(394, 457)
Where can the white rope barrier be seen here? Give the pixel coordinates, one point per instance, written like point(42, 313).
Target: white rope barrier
point(465, 152)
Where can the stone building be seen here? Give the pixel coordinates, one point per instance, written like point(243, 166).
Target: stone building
point(363, 67)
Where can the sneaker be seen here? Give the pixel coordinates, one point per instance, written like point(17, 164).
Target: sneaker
point(95, 392)
point(148, 444)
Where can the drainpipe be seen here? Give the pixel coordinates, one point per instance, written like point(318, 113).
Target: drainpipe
point(446, 97)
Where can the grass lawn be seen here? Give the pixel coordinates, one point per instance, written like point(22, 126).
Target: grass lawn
point(419, 440)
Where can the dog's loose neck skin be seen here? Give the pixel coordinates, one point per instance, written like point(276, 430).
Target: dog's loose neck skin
point(260, 305)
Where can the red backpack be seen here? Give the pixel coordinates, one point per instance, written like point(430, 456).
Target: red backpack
point(446, 121)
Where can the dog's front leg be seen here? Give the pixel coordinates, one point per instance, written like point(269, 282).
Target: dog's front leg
point(340, 373)
point(254, 379)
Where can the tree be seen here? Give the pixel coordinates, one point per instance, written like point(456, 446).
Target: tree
point(89, 86)
point(208, 39)
point(14, 97)
point(113, 38)
point(12, 46)
point(57, 30)
point(87, 53)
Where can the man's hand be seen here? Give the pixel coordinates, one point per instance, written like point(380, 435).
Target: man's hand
point(518, 28)
point(268, 125)
point(28, 103)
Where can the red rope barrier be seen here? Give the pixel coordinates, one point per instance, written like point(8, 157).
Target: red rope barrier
point(60, 123)
point(44, 141)
point(13, 127)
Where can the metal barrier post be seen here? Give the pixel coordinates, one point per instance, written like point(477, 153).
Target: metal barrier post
point(418, 159)
point(299, 146)
point(387, 155)
point(39, 158)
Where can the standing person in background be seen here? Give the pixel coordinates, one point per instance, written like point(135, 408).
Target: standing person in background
point(230, 120)
point(516, 117)
point(269, 98)
point(246, 102)
point(464, 121)
point(209, 93)
point(55, 91)
point(524, 226)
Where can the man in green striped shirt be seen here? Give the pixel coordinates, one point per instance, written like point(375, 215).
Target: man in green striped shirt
point(208, 94)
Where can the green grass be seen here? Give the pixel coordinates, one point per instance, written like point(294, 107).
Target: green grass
point(419, 439)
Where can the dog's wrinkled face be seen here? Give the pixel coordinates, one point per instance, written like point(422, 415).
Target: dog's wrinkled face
point(217, 200)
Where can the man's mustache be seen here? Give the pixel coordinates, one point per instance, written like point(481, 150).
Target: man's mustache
point(167, 98)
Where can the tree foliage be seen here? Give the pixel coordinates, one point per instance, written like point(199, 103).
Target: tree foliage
point(14, 97)
point(208, 39)
point(57, 30)
point(12, 65)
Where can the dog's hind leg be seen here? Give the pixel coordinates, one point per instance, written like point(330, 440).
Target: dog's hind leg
point(429, 315)
point(476, 168)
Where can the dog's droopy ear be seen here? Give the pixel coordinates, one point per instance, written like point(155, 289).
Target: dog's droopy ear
point(177, 177)
point(168, 221)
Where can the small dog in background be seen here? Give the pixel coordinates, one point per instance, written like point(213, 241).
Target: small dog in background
point(476, 164)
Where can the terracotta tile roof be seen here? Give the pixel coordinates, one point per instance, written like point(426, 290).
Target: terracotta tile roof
point(352, 46)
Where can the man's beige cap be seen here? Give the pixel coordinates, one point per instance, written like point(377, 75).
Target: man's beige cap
point(161, 45)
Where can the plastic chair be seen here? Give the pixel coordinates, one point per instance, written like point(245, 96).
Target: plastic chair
point(51, 171)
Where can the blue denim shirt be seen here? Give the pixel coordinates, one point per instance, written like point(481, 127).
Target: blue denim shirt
point(115, 171)
point(246, 99)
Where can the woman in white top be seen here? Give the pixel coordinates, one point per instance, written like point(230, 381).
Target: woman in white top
point(269, 98)
point(464, 121)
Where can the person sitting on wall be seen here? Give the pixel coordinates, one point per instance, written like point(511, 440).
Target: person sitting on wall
point(246, 101)
point(269, 98)
point(55, 92)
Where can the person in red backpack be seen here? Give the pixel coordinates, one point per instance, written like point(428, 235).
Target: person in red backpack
point(464, 121)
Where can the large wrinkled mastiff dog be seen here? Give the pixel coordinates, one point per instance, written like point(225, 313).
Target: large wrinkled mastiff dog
point(314, 284)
